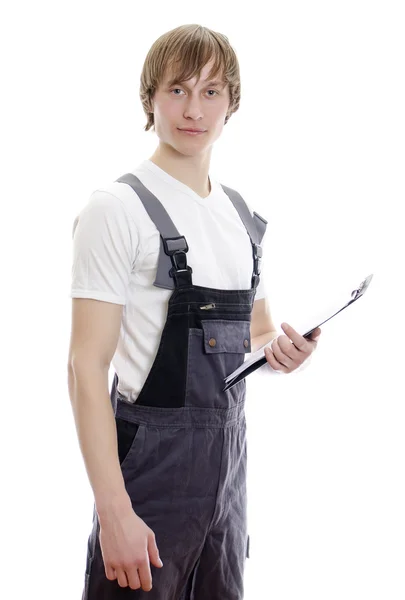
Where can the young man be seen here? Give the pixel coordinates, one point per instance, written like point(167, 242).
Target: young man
point(166, 286)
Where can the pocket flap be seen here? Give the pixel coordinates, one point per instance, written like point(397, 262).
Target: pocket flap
point(222, 335)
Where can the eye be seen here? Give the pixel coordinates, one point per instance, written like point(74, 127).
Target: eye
point(176, 89)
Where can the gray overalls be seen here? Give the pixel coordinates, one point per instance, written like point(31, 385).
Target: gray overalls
point(182, 444)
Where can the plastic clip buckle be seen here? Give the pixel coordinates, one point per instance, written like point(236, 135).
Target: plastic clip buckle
point(176, 249)
point(179, 267)
point(257, 255)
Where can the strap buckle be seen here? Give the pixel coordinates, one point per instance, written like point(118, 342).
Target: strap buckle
point(176, 248)
point(173, 245)
point(257, 256)
point(179, 261)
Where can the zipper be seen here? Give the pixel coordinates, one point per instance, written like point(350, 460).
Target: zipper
point(225, 307)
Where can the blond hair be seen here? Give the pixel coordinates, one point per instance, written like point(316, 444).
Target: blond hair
point(188, 49)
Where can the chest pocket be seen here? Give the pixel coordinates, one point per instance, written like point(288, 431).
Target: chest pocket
point(214, 352)
point(225, 335)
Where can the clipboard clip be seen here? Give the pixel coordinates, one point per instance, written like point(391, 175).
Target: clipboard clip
point(362, 287)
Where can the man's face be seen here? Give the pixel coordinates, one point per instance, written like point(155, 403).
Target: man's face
point(189, 104)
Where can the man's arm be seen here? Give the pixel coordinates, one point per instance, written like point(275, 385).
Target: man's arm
point(262, 328)
point(94, 337)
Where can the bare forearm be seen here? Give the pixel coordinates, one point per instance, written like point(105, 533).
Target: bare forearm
point(96, 430)
point(261, 340)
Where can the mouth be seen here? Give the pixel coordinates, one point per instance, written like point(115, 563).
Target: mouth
point(192, 131)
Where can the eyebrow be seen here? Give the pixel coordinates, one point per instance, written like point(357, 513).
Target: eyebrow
point(212, 82)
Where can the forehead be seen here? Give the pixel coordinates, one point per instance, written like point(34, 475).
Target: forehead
point(172, 77)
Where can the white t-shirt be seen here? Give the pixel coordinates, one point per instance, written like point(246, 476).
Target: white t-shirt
point(115, 255)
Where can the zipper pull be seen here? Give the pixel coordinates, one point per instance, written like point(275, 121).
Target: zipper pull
point(207, 306)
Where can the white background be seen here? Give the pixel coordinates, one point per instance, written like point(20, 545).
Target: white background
point(317, 147)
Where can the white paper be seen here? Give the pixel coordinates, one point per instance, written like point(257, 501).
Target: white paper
point(310, 323)
point(254, 357)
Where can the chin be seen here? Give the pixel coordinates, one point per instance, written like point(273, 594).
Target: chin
point(190, 147)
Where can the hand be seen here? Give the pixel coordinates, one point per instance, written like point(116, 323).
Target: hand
point(289, 351)
point(127, 544)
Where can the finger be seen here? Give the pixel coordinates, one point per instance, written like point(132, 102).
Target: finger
point(110, 573)
point(299, 353)
point(121, 577)
point(133, 578)
point(313, 339)
point(287, 354)
point(272, 360)
point(297, 339)
point(315, 334)
point(145, 575)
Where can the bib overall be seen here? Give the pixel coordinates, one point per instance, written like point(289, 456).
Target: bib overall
point(182, 444)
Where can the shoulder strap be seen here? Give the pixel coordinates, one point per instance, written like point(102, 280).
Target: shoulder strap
point(170, 238)
point(255, 226)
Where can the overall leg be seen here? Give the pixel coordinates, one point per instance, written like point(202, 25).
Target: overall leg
point(220, 570)
point(160, 477)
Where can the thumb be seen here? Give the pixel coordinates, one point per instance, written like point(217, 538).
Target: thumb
point(154, 552)
point(315, 334)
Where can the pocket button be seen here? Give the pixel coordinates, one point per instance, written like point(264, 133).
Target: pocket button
point(212, 342)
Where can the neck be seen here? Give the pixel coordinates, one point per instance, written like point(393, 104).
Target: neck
point(190, 170)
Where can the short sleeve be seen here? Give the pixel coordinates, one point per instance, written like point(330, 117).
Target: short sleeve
point(105, 248)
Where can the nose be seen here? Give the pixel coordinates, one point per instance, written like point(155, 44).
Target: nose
point(193, 109)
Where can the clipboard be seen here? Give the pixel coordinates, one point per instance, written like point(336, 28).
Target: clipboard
point(258, 358)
